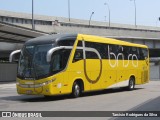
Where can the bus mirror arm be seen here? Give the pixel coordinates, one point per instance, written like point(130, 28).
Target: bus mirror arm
point(12, 55)
point(52, 50)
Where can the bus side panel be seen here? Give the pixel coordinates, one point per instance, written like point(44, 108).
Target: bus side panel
point(109, 79)
point(109, 75)
point(126, 69)
point(65, 84)
point(93, 73)
point(122, 74)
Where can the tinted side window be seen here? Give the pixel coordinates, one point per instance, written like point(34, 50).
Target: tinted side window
point(126, 52)
point(79, 44)
point(78, 55)
point(59, 60)
point(120, 53)
point(113, 51)
point(135, 51)
point(141, 57)
point(143, 53)
point(91, 55)
point(100, 47)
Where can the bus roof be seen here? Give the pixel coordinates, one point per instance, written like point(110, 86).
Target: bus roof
point(108, 40)
point(50, 39)
point(54, 38)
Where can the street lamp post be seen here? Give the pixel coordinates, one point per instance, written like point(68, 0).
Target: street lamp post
point(33, 26)
point(108, 12)
point(135, 12)
point(69, 10)
point(105, 18)
point(90, 18)
point(157, 21)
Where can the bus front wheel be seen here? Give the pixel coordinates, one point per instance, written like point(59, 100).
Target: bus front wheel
point(131, 84)
point(76, 90)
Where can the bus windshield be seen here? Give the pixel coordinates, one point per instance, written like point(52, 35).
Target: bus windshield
point(33, 64)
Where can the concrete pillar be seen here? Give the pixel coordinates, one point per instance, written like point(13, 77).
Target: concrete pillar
point(149, 43)
point(8, 72)
point(157, 44)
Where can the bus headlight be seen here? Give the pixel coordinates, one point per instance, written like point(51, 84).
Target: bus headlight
point(35, 85)
point(17, 83)
point(48, 82)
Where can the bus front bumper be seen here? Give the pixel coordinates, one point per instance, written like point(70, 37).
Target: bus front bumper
point(46, 88)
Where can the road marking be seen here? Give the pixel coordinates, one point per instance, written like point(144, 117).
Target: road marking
point(7, 86)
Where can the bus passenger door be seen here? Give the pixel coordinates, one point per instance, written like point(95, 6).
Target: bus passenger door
point(93, 70)
point(77, 69)
point(93, 74)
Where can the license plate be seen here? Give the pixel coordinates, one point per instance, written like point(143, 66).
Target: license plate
point(29, 91)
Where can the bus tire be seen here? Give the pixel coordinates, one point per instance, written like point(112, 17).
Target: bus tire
point(131, 84)
point(76, 90)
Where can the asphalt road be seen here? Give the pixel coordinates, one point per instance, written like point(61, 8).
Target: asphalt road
point(143, 98)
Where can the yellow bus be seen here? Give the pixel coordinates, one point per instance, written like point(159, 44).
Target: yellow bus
point(75, 63)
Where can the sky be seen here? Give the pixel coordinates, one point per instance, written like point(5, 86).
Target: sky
point(121, 11)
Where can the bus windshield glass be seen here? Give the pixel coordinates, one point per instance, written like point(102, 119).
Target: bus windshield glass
point(33, 64)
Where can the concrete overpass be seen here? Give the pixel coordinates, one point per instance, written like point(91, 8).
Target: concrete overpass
point(15, 29)
point(149, 36)
point(12, 37)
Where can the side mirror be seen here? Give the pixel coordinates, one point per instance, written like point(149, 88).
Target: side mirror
point(52, 50)
point(12, 55)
